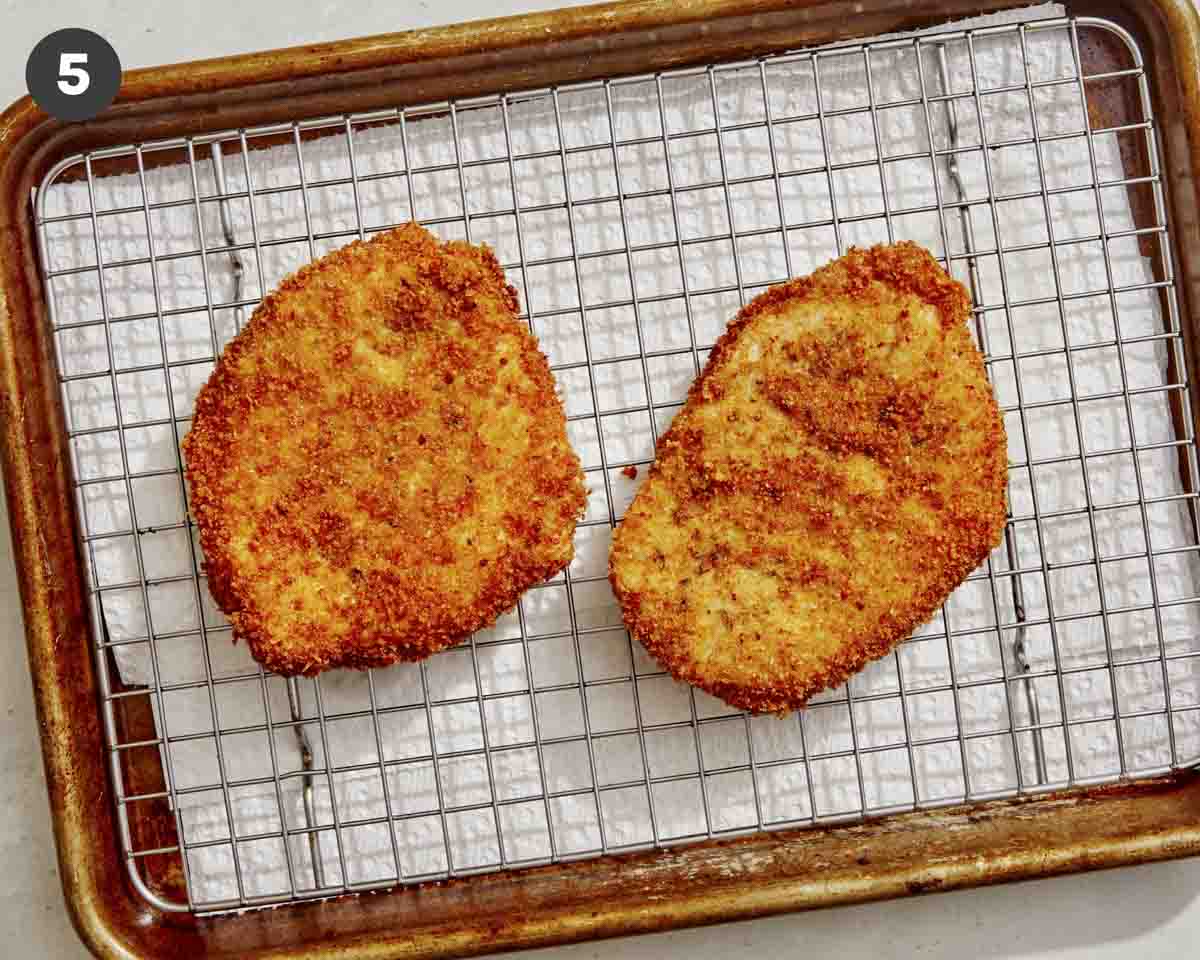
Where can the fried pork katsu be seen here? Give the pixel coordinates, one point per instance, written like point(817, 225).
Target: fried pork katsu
point(379, 463)
point(839, 467)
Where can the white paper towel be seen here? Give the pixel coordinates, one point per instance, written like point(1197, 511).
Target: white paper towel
point(785, 789)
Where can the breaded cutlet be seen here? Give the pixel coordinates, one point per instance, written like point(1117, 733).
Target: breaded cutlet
point(838, 469)
point(379, 462)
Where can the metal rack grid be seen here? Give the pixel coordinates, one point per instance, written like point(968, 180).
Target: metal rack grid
point(608, 754)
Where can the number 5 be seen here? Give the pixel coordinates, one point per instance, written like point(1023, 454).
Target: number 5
point(75, 79)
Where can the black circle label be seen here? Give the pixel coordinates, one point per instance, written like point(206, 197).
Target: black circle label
point(73, 74)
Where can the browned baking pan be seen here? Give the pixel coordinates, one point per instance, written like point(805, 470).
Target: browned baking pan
point(134, 879)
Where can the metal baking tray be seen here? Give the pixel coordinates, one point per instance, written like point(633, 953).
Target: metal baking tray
point(660, 165)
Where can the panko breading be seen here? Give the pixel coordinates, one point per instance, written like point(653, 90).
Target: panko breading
point(839, 467)
point(379, 463)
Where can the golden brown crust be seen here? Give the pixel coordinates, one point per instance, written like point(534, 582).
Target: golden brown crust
point(379, 463)
point(839, 467)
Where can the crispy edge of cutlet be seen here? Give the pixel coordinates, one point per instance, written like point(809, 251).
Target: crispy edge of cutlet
point(206, 455)
point(909, 270)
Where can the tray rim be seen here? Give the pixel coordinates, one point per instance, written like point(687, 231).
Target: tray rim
point(751, 876)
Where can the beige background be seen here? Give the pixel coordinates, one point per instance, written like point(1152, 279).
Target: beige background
point(1144, 912)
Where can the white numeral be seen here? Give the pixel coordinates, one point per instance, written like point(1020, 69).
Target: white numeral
point(75, 79)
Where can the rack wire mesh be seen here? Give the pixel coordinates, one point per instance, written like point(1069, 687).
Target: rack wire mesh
point(635, 215)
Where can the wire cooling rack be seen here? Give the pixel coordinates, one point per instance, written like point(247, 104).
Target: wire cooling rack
point(635, 215)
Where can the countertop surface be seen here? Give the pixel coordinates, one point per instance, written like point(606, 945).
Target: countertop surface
point(1143, 912)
